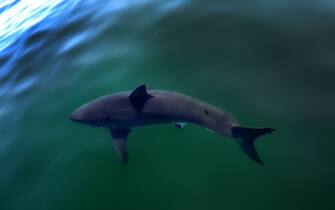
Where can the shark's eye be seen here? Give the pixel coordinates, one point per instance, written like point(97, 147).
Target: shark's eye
point(206, 112)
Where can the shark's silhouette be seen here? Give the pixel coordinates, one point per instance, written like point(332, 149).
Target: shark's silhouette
point(122, 111)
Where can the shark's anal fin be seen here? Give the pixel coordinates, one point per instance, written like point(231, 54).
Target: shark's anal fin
point(119, 137)
point(139, 97)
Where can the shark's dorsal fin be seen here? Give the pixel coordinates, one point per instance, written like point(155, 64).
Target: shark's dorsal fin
point(139, 97)
point(119, 137)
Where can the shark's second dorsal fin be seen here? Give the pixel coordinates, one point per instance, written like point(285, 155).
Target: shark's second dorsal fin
point(139, 97)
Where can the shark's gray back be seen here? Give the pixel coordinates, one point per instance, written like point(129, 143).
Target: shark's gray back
point(183, 108)
point(164, 107)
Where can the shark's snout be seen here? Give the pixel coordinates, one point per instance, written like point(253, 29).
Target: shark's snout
point(88, 116)
point(76, 116)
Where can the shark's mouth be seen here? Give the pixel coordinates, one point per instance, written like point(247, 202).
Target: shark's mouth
point(96, 123)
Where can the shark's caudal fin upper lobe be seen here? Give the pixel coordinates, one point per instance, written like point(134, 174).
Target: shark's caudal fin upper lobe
point(246, 137)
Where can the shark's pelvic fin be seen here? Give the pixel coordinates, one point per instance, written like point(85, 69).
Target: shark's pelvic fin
point(180, 125)
point(119, 137)
point(139, 97)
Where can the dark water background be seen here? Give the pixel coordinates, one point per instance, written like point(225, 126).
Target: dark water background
point(269, 62)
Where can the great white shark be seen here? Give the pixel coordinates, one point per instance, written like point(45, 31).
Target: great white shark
point(122, 111)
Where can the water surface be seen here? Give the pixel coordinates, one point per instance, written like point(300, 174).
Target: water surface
point(270, 63)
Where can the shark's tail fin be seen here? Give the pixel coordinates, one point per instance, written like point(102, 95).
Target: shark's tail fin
point(246, 137)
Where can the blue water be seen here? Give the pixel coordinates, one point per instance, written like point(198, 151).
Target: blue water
point(269, 62)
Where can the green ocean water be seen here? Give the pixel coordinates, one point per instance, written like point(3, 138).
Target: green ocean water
point(269, 63)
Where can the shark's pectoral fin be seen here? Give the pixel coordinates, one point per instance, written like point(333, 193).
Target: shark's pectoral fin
point(119, 137)
point(139, 97)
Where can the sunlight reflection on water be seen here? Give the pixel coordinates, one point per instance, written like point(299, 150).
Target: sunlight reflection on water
point(17, 19)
